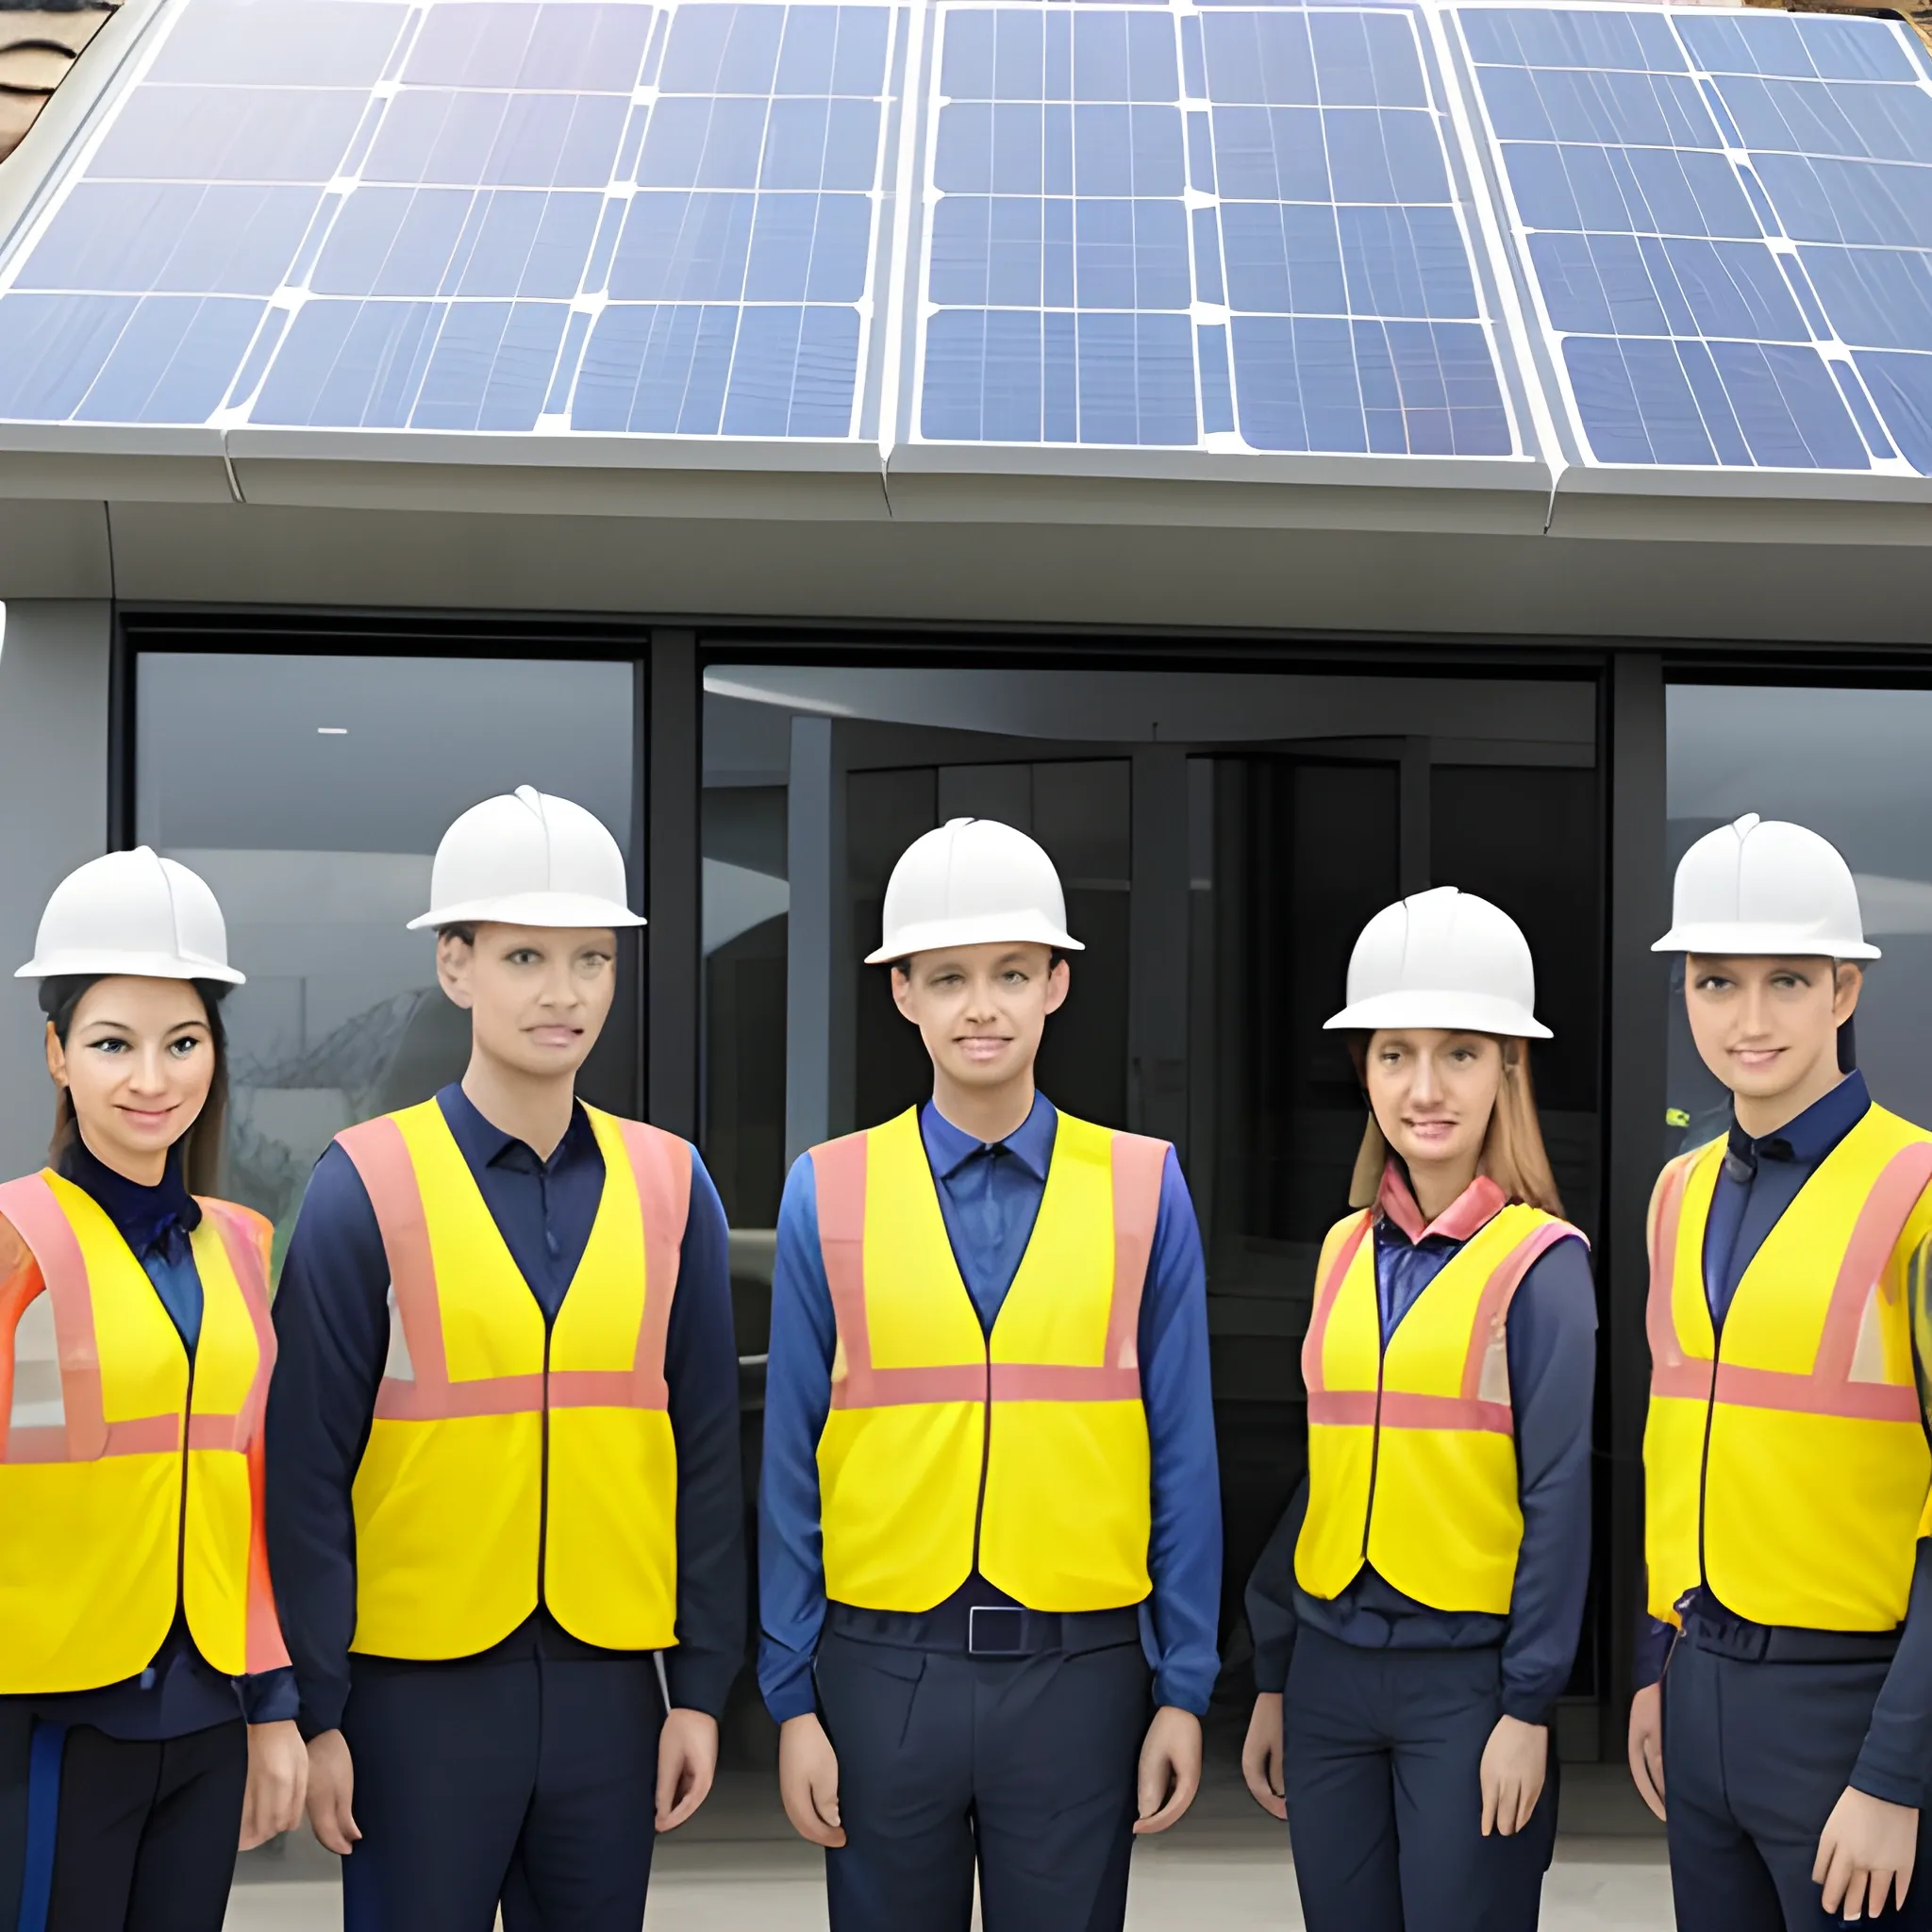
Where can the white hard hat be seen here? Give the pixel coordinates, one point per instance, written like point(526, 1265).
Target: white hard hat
point(972, 882)
point(527, 858)
point(132, 912)
point(1765, 886)
point(1442, 958)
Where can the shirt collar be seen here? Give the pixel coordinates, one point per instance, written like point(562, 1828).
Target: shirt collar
point(483, 1143)
point(949, 1148)
point(1476, 1206)
point(142, 1215)
point(1812, 1135)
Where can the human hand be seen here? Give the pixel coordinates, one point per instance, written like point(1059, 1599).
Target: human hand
point(809, 1781)
point(331, 1787)
point(1170, 1769)
point(1515, 1761)
point(1867, 1848)
point(1647, 1745)
point(1261, 1755)
point(687, 1763)
point(277, 1783)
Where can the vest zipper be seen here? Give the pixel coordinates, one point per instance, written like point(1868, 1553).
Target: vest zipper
point(985, 1453)
point(1717, 1354)
point(544, 1485)
point(181, 1521)
point(1374, 1444)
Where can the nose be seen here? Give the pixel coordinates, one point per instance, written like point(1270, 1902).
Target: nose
point(1754, 1014)
point(1426, 1088)
point(149, 1073)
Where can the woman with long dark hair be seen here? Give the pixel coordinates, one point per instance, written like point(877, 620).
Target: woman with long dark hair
point(146, 1704)
point(1416, 1615)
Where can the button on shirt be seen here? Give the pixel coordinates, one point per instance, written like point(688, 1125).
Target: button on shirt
point(1551, 1345)
point(180, 1691)
point(990, 1197)
point(332, 1324)
point(1758, 1180)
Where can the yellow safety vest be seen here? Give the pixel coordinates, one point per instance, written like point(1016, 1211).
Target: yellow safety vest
point(508, 1463)
point(1786, 1464)
point(1412, 1449)
point(1028, 1451)
point(129, 1485)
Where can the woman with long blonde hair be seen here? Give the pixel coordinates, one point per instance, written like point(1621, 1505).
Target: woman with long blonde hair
point(1416, 1614)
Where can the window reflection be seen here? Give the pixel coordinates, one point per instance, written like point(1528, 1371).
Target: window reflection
point(309, 791)
point(1851, 765)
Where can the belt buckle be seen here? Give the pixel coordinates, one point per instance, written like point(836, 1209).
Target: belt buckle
point(995, 1631)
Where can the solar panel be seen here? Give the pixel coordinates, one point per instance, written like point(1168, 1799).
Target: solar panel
point(483, 215)
point(1238, 229)
point(1723, 219)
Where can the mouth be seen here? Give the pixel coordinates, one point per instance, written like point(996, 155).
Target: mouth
point(147, 1118)
point(983, 1046)
point(554, 1036)
point(1430, 1132)
point(1757, 1060)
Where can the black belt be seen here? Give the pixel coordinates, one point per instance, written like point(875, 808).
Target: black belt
point(987, 1629)
point(1776, 1643)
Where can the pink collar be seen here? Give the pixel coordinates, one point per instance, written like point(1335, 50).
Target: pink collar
point(1476, 1206)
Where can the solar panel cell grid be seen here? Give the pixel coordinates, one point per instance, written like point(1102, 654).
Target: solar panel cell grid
point(1263, 195)
point(1725, 220)
point(523, 221)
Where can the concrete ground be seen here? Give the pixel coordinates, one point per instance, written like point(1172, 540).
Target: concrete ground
point(738, 1868)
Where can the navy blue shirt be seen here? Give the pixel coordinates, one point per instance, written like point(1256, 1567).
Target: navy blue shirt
point(180, 1691)
point(332, 1322)
point(1758, 1179)
point(1550, 1341)
point(990, 1198)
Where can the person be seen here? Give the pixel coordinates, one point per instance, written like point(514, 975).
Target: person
point(1783, 1723)
point(1416, 1614)
point(147, 1703)
point(989, 1466)
point(502, 1464)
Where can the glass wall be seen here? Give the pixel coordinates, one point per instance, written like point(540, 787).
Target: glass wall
point(309, 791)
point(1223, 836)
point(1850, 763)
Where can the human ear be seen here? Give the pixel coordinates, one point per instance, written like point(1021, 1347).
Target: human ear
point(454, 961)
point(1847, 982)
point(57, 1058)
point(901, 993)
point(1059, 982)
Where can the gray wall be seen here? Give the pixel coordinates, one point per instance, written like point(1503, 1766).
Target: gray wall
point(52, 816)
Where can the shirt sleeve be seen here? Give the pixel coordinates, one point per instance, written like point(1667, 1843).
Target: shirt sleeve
point(269, 1697)
point(1184, 1549)
point(1272, 1620)
point(700, 1371)
point(1552, 1350)
point(799, 1397)
point(1896, 1762)
point(331, 1314)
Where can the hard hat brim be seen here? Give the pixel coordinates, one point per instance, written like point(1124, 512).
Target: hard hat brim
point(988, 929)
point(102, 963)
point(1452, 1013)
point(531, 909)
point(1744, 939)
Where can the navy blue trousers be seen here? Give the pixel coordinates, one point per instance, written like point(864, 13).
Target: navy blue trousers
point(101, 1834)
point(530, 1782)
point(1756, 1755)
point(1025, 1765)
point(1382, 1751)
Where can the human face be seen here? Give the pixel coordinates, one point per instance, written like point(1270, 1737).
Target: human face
point(981, 1009)
point(139, 1061)
point(1432, 1092)
point(1767, 1030)
point(537, 995)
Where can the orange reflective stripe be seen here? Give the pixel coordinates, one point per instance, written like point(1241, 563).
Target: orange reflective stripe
point(29, 1204)
point(1359, 1409)
point(661, 1164)
point(1492, 1311)
point(1313, 1375)
point(1828, 1388)
point(839, 1174)
point(660, 1169)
